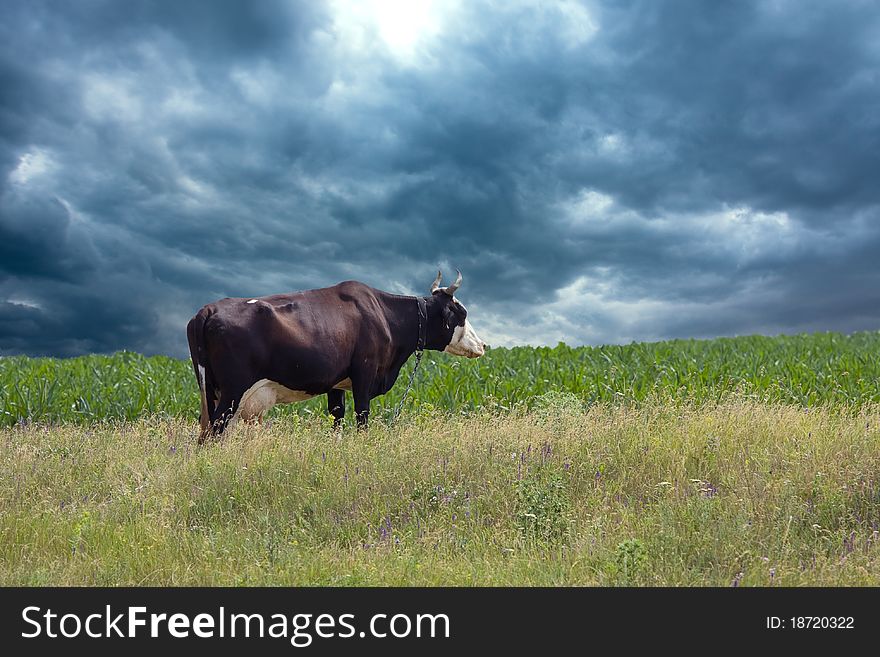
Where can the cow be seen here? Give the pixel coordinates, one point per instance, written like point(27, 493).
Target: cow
point(251, 353)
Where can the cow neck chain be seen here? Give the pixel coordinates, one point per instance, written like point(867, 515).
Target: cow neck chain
point(420, 349)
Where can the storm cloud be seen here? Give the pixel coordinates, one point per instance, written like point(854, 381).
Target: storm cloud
point(600, 172)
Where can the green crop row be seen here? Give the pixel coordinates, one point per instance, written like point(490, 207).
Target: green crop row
point(807, 370)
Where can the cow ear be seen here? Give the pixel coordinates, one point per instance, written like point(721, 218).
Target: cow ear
point(448, 317)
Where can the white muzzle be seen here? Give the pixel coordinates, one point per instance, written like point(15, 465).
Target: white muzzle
point(465, 342)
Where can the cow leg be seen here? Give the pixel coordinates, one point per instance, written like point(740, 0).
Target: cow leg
point(223, 414)
point(360, 390)
point(336, 406)
point(363, 416)
point(205, 420)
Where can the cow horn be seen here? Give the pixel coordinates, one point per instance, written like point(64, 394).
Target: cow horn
point(436, 284)
point(450, 290)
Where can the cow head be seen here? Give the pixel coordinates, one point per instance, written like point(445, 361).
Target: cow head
point(450, 323)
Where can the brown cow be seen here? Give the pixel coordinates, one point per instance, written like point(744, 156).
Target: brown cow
point(252, 353)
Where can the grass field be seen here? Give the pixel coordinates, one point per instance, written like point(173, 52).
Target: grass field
point(738, 492)
point(747, 461)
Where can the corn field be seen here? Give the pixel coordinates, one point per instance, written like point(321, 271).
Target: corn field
point(805, 370)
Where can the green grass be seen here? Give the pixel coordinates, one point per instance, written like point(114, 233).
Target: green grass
point(619, 494)
point(807, 370)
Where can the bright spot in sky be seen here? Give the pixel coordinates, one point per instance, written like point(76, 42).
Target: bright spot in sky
point(401, 24)
point(32, 164)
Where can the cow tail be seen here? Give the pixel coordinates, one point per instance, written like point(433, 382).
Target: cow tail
point(195, 334)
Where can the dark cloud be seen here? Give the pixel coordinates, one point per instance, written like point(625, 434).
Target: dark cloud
point(601, 172)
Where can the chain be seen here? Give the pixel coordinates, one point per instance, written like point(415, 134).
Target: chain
point(420, 346)
point(412, 377)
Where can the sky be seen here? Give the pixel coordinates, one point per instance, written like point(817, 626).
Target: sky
point(600, 172)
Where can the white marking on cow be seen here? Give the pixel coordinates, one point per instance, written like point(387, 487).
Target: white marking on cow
point(345, 384)
point(263, 395)
point(202, 377)
point(465, 342)
point(253, 300)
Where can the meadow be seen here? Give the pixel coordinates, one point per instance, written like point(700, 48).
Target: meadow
point(734, 462)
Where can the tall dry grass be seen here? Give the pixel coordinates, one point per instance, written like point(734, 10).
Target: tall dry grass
point(735, 492)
